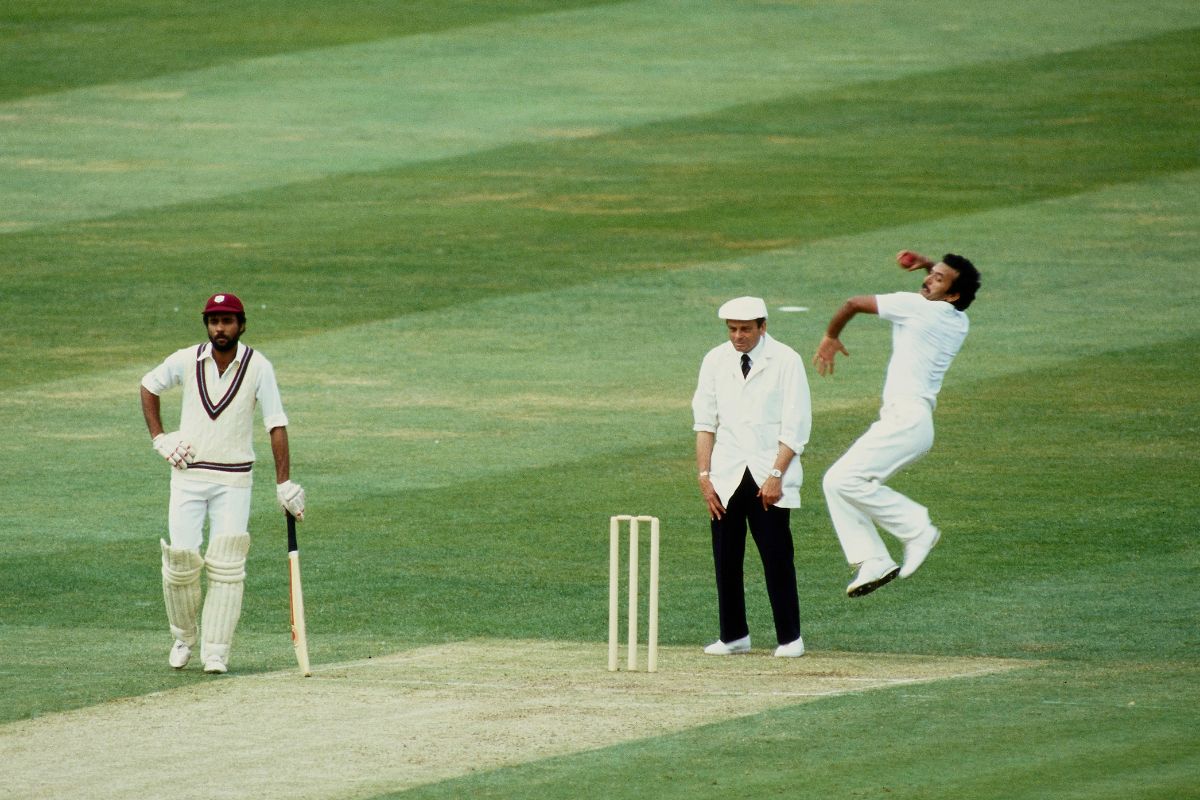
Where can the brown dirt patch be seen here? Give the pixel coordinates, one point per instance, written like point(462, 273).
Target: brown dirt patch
point(386, 724)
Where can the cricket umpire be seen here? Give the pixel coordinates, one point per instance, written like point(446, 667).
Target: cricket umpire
point(753, 415)
point(212, 460)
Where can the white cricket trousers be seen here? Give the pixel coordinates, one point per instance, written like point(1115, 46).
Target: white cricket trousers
point(854, 486)
point(227, 509)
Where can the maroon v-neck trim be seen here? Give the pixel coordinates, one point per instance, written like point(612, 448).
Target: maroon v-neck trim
point(214, 409)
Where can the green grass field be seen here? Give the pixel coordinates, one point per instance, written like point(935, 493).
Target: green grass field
point(483, 244)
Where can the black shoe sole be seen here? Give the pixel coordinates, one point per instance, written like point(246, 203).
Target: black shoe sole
point(871, 586)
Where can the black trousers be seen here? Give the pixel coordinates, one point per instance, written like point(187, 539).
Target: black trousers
point(773, 537)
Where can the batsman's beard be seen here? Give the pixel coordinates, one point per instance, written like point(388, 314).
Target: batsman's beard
point(223, 344)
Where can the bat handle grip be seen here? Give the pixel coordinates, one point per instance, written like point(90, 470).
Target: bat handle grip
point(291, 532)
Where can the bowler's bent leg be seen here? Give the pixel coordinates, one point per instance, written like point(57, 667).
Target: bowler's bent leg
point(854, 486)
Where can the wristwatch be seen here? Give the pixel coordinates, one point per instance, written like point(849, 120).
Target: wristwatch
point(775, 473)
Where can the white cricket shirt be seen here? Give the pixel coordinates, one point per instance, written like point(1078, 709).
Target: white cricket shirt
point(217, 414)
point(926, 335)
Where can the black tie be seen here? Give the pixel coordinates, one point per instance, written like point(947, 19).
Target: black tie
point(745, 364)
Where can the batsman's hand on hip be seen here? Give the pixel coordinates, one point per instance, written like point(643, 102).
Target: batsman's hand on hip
point(291, 498)
point(174, 449)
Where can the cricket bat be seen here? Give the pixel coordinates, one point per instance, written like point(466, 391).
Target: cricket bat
point(299, 632)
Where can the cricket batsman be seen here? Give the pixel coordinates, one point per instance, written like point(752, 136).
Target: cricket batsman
point(211, 457)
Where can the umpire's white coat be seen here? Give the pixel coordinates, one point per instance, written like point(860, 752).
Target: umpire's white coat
point(752, 415)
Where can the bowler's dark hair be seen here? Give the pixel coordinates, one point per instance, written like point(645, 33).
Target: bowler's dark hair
point(966, 284)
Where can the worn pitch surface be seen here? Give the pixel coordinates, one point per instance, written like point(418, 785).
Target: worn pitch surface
point(384, 724)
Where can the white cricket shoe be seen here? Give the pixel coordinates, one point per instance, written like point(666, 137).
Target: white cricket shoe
point(791, 649)
point(917, 549)
point(181, 654)
point(873, 573)
point(215, 666)
point(719, 648)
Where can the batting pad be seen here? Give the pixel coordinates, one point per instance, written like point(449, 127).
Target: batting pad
point(181, 590)
point(226, 564)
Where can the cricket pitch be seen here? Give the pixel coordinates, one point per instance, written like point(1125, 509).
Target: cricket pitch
point(359, 729)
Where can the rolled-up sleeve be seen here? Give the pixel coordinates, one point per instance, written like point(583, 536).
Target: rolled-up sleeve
point(796, 418)
point(267, 393)
point(704, 401)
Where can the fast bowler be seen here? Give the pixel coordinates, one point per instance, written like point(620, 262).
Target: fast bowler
point(928, 329)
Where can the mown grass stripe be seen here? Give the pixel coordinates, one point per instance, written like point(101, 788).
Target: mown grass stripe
point(98, 151)
point(54, 47)
point(712, 188)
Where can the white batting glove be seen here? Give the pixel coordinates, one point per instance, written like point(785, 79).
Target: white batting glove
point(175, 450)
point(291, 497)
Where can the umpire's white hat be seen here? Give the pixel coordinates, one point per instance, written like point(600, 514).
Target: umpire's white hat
point(743, 308)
